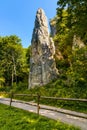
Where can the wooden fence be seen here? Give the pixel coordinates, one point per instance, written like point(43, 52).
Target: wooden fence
point(38, 97)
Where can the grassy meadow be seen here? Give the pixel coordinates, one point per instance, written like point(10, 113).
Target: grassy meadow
point(17, 119)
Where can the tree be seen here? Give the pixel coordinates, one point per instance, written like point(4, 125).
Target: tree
point(77, 72)
point(11, 57)
point(76, 18)
point(28, 55)
point(71, 21)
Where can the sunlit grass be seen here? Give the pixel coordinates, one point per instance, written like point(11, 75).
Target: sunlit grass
point(17, 119)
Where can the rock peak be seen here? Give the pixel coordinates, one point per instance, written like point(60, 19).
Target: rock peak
point(42, 62)
point(40, 10)
point(41, 19)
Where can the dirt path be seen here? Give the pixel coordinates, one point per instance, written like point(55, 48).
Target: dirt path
point(52, 112)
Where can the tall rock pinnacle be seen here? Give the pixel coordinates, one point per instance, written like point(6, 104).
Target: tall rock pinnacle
point(42, 63)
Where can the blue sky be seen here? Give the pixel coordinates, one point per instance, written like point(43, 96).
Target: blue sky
point(17, 17)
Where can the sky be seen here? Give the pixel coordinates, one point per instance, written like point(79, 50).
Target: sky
point(17, 17)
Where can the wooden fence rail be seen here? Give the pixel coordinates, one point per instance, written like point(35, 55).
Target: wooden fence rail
point(29, 95)
point(65, 99)
point(38, 96)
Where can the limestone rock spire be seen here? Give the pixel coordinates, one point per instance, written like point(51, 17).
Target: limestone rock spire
point(42, 62)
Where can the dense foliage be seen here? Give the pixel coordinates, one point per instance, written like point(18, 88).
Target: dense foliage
point(13, 64)
point(71, 21)
point(76, 18)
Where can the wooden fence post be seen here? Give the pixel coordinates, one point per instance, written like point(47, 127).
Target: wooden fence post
point(11, 96)
point(38, 102)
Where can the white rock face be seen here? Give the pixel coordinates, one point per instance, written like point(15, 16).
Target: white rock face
point(42, 63)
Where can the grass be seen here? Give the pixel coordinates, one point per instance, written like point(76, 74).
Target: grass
point(17, 119)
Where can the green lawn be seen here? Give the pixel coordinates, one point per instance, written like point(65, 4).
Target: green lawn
point(17, 119)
